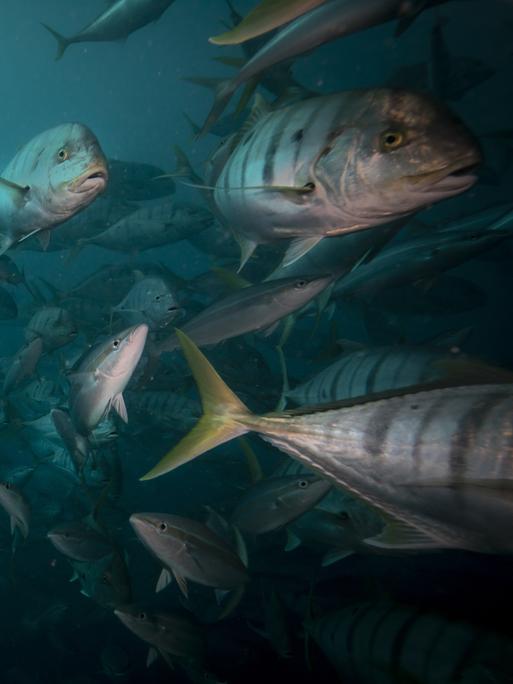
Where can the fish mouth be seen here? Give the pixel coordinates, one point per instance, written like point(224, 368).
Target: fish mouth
point(452, 178)
point(93, 180)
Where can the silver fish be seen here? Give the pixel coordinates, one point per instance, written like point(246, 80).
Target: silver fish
point(253, 308)
point(118, 21)
point(149, 301)
point(275, 502)
point(23, 364)
point(53, 325)
point(333, 19)
point(340, 163)
point(438, 461)
point(99, 381)
point(79, 541)
point(189, 550)
point(16, 506)
point(51, 178)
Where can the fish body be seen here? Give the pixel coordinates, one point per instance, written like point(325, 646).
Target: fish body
point(190, 550)
point(340, 163)
point(386, 642)
point(158, 223)
point(16, 506)
point(8, 308)
point(53, 325)
point(170, 634)
point(163, 409)
point(149, 301)
point(372, 370)
point(275, 502)
point(9, 272)
point(79, 541)
point(117, 22)
point(332, 19)
point(253, 308)
point(51, 178)
point(138, 182)
point(105, 581)
point(98, 384)
point(438, 461)
point(23, 364)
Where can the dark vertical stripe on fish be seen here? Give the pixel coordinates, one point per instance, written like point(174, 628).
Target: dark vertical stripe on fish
point(466, 657)
point(432, 413)
point(400, 638)
point(351, 633)
point(379, 422)
point(466, 432)
point(371, 377)
point(272, 148)
point(375, 630)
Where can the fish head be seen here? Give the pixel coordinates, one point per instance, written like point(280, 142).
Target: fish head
point(68, 169)
point(300, 492)
point(139, 621)
point(405, 152)
point(119, 355)
point(160, 533)
point(292, 293)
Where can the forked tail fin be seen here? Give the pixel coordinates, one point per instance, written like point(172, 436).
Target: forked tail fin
point(222, 419)
point(62, 42)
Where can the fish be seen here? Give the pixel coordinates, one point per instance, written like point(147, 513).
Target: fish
point(173, 636)
point(189, 550)
point(105, 581)
point(258, 307)
point(384, 641)
point(364, 370)
point(162, 408)
point(368, 158)
point(328, 21)
point(137, 182)
point(52, 177)
point(149, 301)
point(158, 223)
point(79, 541)
point(53, 325)
point(8, 307)
point(17, 508)
point(117, 22)
point(265, 17)
point(23, 364)
point(273, 503)
point(9, 272)
point(420, 457)
point(275, 629)
point(98, 383)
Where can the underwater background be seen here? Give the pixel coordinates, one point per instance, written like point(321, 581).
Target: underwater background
point(288, 586)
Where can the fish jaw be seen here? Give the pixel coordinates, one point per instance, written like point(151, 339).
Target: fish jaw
point(93, 181)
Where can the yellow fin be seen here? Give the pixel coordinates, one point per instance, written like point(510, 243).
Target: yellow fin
point(268, 15)
point(223, 413)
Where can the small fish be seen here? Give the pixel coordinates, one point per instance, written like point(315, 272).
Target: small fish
point(190, 551)
point(149, 301)
point(138, 182)
point(52, 177)
point(23, 364)
point(79, 541)
point(275, 502)
point(98, 383)
point(117, 22)
point(105, 581)
point(16, 506)
point(53, 325)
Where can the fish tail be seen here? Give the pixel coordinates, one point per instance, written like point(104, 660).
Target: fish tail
point(222, 96)
point(62, 42)
point(224, 415)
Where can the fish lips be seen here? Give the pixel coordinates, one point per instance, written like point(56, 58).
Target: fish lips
point(92, 181)
point(451, 179)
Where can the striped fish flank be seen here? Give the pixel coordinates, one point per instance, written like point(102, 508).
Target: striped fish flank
point(379, 369)
point(339, 163)
point(385, 643)
point(170, 410)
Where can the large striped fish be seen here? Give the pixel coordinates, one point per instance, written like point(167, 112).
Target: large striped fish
point(438, 462)
point(364, 371)
point(51, 178)
point(336, 164)
point(386, 643)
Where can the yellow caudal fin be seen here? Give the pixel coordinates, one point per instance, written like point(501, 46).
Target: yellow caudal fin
point(268, 15)
point(223, 414)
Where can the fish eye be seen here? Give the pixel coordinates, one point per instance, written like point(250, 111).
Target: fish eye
point(7, 485)
point(309, 187)
point(162, 527)
point(302, 484)
point(115, 344)
point(142, 616)
point(391, 140)
point(344, 516)
point(63, 154)
point(300, 284)
point(158, 298)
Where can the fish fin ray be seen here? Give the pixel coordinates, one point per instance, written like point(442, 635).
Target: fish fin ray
point(165, 578)
point(118, 404)
point(298, 248)
point(399, 535)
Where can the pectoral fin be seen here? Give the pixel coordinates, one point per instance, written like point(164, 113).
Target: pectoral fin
point(298, 248)
point(43, 237)
point(118, 404)
point(164, 579)
point(182, 583)
point(152, 656)
point(335, 555)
